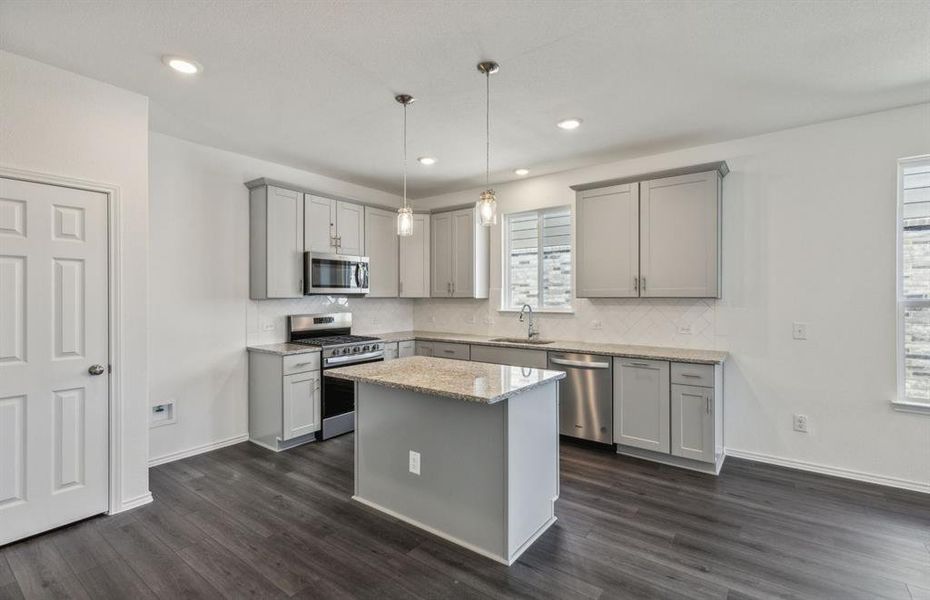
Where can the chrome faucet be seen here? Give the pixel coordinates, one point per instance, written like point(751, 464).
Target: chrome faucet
point(531, 331)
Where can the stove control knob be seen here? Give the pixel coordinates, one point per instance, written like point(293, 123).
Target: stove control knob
point(341, 351)
point(365, 348)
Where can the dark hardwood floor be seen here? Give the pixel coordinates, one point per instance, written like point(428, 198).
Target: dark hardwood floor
point(245, 522)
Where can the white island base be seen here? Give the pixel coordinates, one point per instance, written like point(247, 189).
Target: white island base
point(488, 472)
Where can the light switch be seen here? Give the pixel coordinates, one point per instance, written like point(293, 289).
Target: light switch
point(799, 331)
point(414, 462)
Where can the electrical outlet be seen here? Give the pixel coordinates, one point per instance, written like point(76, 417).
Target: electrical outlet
point(684, 329)
point(800, 423)
point(163, 414)
point(414, 462)
point(268, 326)
point(799, 331)
point(489, 320)
point(597, 325)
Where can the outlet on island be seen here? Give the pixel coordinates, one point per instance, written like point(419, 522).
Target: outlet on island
point(414, 462)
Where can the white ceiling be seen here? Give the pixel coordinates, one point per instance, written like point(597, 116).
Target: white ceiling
point(311, 84)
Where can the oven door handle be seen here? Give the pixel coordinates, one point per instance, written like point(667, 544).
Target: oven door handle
point(339, 360)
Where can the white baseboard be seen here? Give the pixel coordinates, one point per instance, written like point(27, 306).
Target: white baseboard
point(446, 536)
point(160, 460)
point(132, 503)
point(904, 484)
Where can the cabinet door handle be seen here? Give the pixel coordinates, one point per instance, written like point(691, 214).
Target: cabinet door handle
point(636, 284)
point(643, 287)
point(303, 364)
point(448, 351)
point(691, 375)
point(707, 399)
point(638, 364)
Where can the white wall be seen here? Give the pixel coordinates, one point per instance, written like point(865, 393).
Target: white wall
point(59, 123)
point(201, 316)
point(809, 235)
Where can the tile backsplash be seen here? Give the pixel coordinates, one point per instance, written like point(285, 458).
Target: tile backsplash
point(267, 319)
point(688, 323)
point(685, 323)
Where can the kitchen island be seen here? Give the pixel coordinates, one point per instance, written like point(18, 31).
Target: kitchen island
point(467, 451)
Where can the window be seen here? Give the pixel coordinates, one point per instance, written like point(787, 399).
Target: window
point(914, 282)
point(538, 260)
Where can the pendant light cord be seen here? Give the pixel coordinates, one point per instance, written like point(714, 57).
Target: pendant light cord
point(405, 155)
point(487, 127)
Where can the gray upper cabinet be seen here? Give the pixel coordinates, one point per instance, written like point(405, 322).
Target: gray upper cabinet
point(459, 258)
point(641, 404)
point(441, 255)
point(658, 237)
point(275, 243)
point(415, 260)
point(680, 236)
point(607, 243)
point(334, 226)
point(382, 247)
point(319, 224)
point(350, 228)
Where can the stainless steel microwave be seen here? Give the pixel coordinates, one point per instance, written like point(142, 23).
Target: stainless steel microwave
point(335, 274)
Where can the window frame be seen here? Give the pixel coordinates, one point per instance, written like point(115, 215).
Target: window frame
point(505, 301)
point(901, 401)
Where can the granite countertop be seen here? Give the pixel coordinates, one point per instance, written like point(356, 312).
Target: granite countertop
point(689, 355)
point(283, 348)
point(458, 379)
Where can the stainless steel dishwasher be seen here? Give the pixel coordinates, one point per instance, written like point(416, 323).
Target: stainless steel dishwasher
point(585, 395)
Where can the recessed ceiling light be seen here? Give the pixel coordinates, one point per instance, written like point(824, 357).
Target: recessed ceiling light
point(426, 160)
point(182, 65)
point(521, 172)
point(569, 124)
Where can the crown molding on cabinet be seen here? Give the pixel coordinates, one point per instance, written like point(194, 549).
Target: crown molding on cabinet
point(719, 166)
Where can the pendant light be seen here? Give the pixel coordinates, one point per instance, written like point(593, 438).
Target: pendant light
point(405, 213)
point(487, 202)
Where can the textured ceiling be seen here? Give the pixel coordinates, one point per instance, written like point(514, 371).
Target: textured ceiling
point(311, 84)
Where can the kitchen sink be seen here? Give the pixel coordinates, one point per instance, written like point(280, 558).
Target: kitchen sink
point(514, 340)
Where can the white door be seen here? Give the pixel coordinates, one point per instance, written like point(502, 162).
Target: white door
point(414, 260)
point(680, 236)
point(381, 245)
point(319, 224)
point(693, 422)
point(285, 243)
point(463, 253)
point(641, 404)
point(441, 256)
point(350, 228)
point(53, 331)
point(607, 242)
point(301, 404)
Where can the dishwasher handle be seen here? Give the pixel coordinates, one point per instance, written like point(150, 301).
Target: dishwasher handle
point(580, 364)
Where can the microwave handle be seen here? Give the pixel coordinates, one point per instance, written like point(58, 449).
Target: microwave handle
point(361, 276)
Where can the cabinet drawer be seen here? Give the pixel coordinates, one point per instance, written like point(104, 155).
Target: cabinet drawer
point(448, 350)
point(517, 357)
point(689, 374)
point(405, 348)
point(300, 363)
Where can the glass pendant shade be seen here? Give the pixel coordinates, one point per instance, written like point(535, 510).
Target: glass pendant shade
point(487, 208)
point(405, 221)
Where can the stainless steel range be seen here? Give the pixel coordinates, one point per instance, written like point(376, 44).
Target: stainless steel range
point(332, 333)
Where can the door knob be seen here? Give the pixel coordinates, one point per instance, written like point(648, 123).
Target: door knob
point(96, 370)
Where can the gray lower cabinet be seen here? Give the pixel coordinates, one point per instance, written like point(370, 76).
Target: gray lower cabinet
point(406, 348)
point(693, 422)
point(390, 350)
point(424, 348)
point(671, 409)
point(284, 399)
point(517, 357)
point(451, 350)
point(641, 404)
